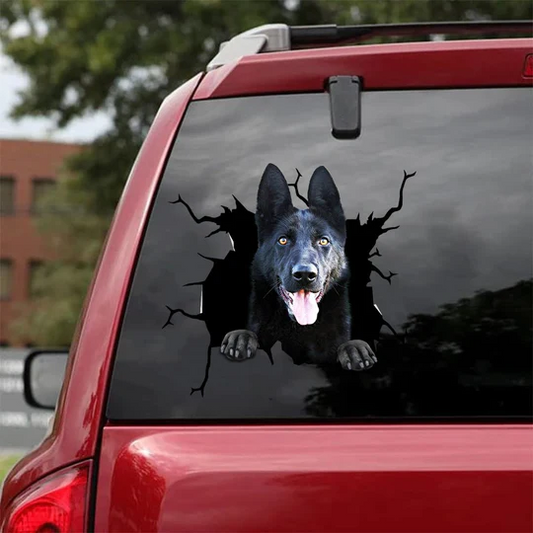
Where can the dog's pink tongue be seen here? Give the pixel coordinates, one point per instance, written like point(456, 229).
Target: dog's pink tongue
point(304, 307)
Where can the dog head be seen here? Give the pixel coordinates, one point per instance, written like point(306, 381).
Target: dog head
point(302, 251)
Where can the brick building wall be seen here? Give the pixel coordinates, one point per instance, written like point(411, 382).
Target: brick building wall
point(25, 167)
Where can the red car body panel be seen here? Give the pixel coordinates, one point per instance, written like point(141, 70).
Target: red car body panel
point(313, 478)
point(81, 405)
point(459, 64)
point(286, 478)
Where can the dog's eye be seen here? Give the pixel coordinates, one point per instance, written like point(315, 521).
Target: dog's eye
point(324, 241)
point(283, 241)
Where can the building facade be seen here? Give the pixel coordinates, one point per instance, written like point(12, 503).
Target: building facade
point(28, 172)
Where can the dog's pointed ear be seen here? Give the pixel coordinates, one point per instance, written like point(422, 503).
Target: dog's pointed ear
point(323, 196)
point(273, 200)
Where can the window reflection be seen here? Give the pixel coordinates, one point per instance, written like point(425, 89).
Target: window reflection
point(459, 304)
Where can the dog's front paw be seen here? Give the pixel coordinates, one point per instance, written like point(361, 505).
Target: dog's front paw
point(239, 345)
point(356, 355)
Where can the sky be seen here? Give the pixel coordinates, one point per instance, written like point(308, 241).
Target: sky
point(12, 81)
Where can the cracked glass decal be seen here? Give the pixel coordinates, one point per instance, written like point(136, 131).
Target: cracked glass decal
point(437, 202)
point(307, 286)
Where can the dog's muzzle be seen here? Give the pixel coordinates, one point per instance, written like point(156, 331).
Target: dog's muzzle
point(302, 305)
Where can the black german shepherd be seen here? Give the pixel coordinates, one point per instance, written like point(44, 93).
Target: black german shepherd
point(300, 279)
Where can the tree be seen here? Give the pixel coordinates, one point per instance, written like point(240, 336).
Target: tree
point(471, 357)
point(124, 57)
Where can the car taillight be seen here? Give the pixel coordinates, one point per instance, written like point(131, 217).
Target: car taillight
point(55, 505)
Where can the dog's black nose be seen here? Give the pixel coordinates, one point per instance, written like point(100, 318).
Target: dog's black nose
point(304, 273)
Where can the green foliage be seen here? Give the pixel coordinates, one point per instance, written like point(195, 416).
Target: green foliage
point(394, 11)
point(124, 57)
point(75, 233)
point(6, 464)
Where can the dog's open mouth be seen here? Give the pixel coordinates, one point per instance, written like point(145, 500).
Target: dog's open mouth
point(302, 305)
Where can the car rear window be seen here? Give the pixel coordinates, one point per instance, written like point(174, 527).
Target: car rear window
point(437, 201)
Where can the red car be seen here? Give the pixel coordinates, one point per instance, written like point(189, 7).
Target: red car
point(428, 145)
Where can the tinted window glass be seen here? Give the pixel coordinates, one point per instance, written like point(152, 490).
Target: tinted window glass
point(35, 280)
point(440, 262)
point(6, 278)
point(7, 195)
point(42, 188)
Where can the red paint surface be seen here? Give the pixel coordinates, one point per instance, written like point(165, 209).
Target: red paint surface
point(459, 64)
point(330, 478)
point(81, 405)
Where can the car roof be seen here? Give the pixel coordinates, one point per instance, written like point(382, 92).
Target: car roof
point(420, 65)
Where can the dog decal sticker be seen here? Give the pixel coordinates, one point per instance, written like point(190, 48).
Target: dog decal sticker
point(295, 276)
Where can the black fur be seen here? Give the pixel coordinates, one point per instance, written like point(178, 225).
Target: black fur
point(300, 259)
